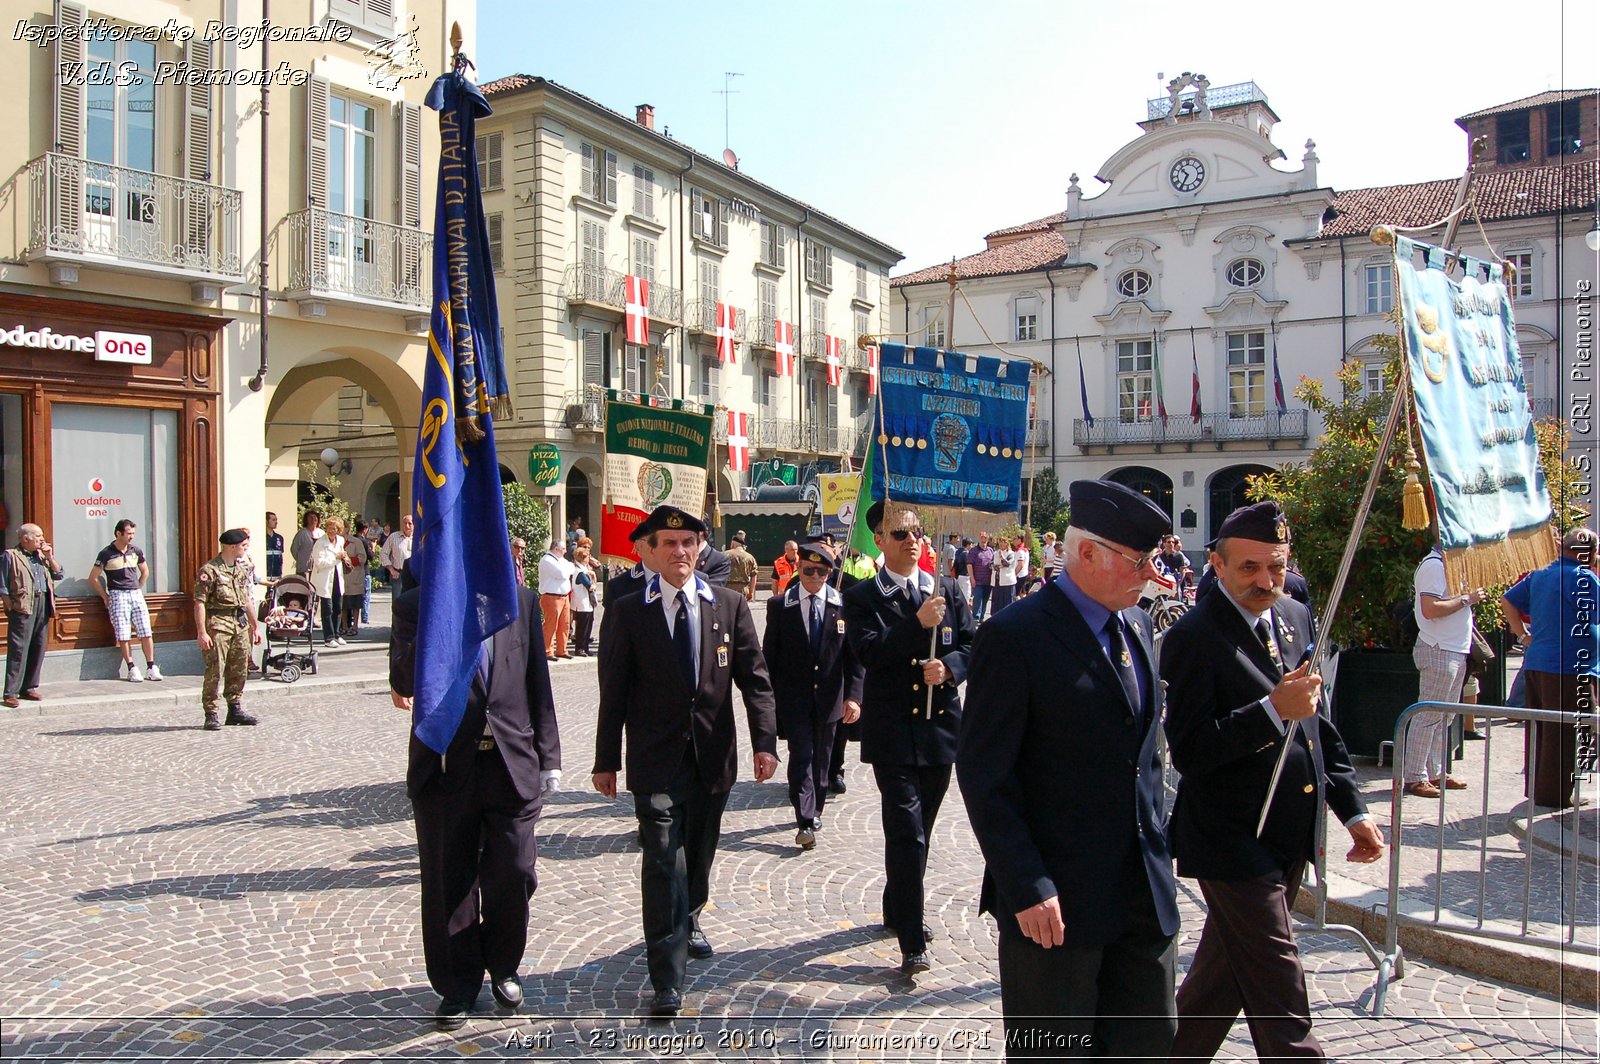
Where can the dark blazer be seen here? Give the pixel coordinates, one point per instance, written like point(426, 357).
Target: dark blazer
point(1225, 745)
point(809, 687)
point(1062, 781)
point(628, 582)
point(891, 643)
point(713, 564)
point(517, 705)
point(642, 692)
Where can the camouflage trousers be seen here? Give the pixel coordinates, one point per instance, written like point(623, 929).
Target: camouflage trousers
point(226, 662)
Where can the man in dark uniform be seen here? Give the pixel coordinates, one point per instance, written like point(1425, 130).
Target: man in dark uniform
point(225, 626)
point(713, 564)
point(476, 806)
point(630, 581)
point(670, 660)
point(1237, 669)
point(850, 731)
point(908, 739)
point(816, 682)
point(1062, 778)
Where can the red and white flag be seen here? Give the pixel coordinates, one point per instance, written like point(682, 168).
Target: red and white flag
point(738, 441)
point(835, 363)
point(636, 298)
point(726, 314)
point(783, 340)
point(872, 370)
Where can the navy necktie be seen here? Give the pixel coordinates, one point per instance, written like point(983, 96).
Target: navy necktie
point(682, 640)
point(1264, 633)
point(816, 623)
point(1122, 661)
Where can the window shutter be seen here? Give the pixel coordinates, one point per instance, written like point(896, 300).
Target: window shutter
point(495, 223)
point(489, 171)
point(611, 177)
point(317, 92)
point(409, 119)
point(696, 213)
point(586, 175)
point(722, 224)
point(66, 218)
point(380, 15)
point(827, 266)
point(594, 369)
point(197, 220)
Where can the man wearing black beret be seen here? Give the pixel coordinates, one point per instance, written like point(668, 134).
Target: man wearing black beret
point(1061, 773)
point(1237, 666)
point(816, 681)
point(670, 658)
point(225, 626)
point(908, 737)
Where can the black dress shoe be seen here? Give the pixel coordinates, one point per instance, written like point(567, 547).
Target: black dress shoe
point(915, 963)
point(507, 991)
point(806, 838)
point(451, 1015)
point(836, 785)
point(699, 945)
point(666, 1002)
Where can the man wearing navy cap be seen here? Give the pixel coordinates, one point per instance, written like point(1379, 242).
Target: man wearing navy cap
point(1237, 669)
point(671, 658)
point(816, 681)
point(1061, 773)
point(908, 737)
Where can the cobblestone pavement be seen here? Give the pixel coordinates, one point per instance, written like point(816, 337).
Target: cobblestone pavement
point(251, 894)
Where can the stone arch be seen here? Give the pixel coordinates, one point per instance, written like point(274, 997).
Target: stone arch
point(1153, 484)
point(1225, 493)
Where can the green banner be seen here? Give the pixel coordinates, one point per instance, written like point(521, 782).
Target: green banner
point(656, 452)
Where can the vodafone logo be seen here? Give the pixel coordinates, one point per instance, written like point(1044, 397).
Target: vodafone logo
point(97, 503)
point(132, 348)
point(97, 484)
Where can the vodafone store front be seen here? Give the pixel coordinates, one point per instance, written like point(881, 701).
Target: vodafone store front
point(109, 412)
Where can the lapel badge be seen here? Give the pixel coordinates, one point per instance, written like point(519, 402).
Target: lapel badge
point(727, 637)
point(722, 657)
point(841, 626)
point(947, 635)
point(1288, 636)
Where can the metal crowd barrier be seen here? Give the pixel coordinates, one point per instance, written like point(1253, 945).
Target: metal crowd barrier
point(1523, 927)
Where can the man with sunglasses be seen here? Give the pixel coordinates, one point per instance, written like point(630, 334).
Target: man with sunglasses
point(816, 682)
point(1061, 775)
point(907, 735)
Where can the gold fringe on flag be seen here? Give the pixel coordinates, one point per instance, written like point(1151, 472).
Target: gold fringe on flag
point(1492, 564)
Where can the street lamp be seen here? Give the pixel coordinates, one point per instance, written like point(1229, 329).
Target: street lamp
point(330, 458)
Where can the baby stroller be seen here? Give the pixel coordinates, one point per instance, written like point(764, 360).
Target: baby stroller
point(286, 615)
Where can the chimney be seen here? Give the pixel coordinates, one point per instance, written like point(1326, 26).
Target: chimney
point(645, 115)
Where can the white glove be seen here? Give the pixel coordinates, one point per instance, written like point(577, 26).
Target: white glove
point(549, 781)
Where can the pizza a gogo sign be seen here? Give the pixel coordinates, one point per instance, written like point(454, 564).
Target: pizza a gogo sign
point(104, 345)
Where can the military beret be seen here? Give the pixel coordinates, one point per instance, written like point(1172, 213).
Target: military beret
point(1117, 513)
point(233, 537)
point(1263, 522)
point(667, 518)
point(819, 553)
point(875, 515)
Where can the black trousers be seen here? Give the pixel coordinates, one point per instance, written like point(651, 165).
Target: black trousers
point(583, 628)
point(1112, 1000)
point(1247, 960)
point(1556, 744)
point(911, 797)
point(841, 743)
point(26, 636)
point(678, 832)
point(810, 761)
point(476, 848)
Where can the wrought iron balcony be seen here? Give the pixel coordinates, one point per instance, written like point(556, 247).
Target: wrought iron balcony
point(1184, 429)
point(1543, 408)
point(805, 436)
point(584, 410)
point(597, 286)
point(700, 316)
point(1039, 434)
point(112, 216)
point(765, 333)
point(347, 258)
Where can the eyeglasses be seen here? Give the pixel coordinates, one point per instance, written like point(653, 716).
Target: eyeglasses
point(814, 570)
point(1139, 562)
point(900, 535)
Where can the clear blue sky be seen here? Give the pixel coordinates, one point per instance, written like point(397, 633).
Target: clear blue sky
point(928, 124)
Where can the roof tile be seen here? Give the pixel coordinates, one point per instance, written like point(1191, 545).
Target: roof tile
point(1031, 253)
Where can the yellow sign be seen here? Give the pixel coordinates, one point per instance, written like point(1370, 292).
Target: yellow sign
point(839, 492)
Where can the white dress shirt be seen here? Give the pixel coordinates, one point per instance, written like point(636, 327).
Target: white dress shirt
point(555, 575)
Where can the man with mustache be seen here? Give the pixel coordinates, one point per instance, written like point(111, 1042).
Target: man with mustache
point(1237, 666)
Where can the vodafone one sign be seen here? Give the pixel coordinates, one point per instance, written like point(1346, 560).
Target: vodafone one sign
point(105, 346)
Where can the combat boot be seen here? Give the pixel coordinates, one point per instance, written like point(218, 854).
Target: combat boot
point(237, 715)
point(213, 722)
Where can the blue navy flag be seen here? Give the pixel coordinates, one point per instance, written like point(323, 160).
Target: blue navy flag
point(951, 436)
point(463, 555)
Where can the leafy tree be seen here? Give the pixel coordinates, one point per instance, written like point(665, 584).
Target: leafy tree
point(527, 516)
point(1048, 505)
point(320, 492)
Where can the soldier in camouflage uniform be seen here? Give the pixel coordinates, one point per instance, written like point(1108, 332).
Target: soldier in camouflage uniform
point(226, 625)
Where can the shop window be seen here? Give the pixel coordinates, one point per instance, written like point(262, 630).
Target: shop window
point(107, 463)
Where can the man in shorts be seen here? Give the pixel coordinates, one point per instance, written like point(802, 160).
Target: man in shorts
point(119, 575)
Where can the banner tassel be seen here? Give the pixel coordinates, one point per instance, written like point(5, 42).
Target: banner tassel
point(1414, 516)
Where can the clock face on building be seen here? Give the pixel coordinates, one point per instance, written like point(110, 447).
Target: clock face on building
point(1187, 173)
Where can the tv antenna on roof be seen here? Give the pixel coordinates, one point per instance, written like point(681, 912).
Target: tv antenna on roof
point(726, 91)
